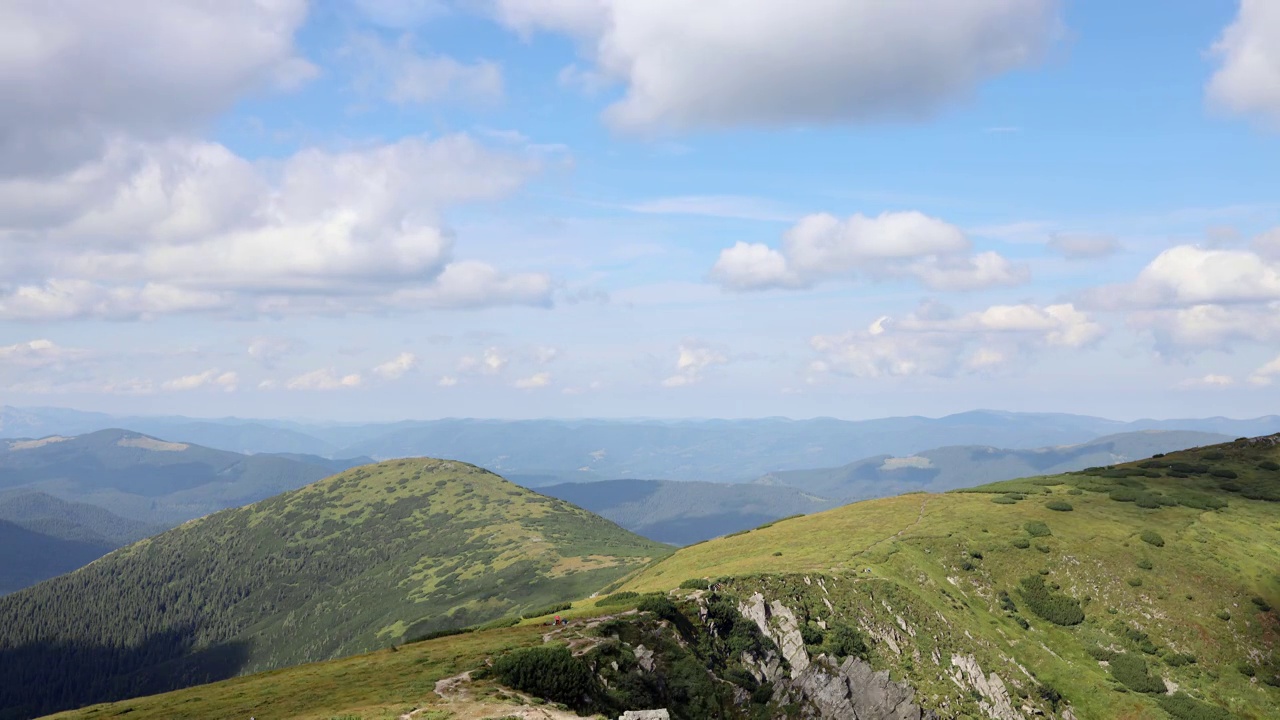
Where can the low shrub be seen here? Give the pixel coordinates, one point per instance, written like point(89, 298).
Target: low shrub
point(1148, 501)
point(845, 641)
point(811, 634)
point(1059, 505)
point(1056, 607)
point(975, 554)
point(1042, 548)
point(1021, 543)
point(1184, 707)
point(1003, 500)
point(1135, 581)
point(1151, 537)
point(551, 673)
point(1145, 564)
point(1037, 528)
point(1131, 670)
point(620, 598)
point(659, 605)
point(1261, 604)
point(548, 610)
point(1213, 455)
point(1271, 465)
point(1075, 491)
point(1226, 474)
point(1223, 615)
point(1123, 494)
point(1246, 669)
point(695, 584)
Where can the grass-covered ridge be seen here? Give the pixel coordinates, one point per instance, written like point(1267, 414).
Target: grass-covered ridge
point(348, 564)
point(946, 589)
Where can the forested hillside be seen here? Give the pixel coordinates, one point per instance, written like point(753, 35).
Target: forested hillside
point(347, 564)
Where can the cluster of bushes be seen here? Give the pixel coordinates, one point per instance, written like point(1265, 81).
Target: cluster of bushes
point(695, 584)
point(1132, 672)
point(1271, 465)
point(1059, 505)
point(550, 672)
point(844, 641)
point(548, 610)
point(1058, 608)
point(1184, 707)
point(1261, 604)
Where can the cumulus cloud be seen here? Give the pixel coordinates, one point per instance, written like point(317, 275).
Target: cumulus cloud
point(728, 63)
point(400, 74)
point(1074, 246)
point(1247, 81)
point(396, 367)
point(270, 350)
point(692, 361)
point(1200, 327)
point(491, 362)
point(534, 381)
point(227, 381)
point(1187, 275)
point(1267, 245)
point(1264, 374)
point(447, 381)
point(932, 342)
point(78, 73)
point(324, 379)
point(892, 245)
point(181, 227)
point(39, 353)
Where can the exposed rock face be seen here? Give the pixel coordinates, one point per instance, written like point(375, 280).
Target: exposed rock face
point(854, 691)
point(645, 715)
point(849, 691)
point(996, 701)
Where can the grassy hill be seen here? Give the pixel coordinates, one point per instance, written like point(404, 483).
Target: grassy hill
point(684, 512)
point(1143, 591)
point(948, 468)
point(347, 564)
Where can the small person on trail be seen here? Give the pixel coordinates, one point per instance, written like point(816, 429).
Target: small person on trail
point(557, 620)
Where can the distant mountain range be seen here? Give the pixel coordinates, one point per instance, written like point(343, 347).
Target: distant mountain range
point(549, 452)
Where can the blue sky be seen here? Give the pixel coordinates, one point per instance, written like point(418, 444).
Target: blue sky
point(383, 209)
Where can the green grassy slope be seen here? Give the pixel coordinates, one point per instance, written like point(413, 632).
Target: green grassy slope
point(1176, 565)
point(344, 565)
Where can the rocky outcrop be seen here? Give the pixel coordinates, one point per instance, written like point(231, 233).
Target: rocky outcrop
point(996, 702)
point(645, 715)
point(851, 690)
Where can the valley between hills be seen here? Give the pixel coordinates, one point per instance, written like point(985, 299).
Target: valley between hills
point(1137, 590)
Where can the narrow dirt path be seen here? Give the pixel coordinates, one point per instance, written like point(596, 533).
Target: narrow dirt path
point(919, 518)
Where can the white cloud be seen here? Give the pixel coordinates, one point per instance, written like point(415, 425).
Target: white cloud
point(270, 350)
point(544, 354)
point(892, 245)
point(447, 381)
point(400, 74)
point(726, 63)
point(1210, 380)
point(1187, 275)
point(491, 362)
point(182, 227)
point(227, 381)
point(1264, 374)
point(537, 380)
point(1075, 246)
point(76, 74)
point(1248, 80)
point(396, 367)
point(692, 362)
point(933, 342)
point(39, 353)
point(1208, 326)
point(1267, 245)
point(324, 379)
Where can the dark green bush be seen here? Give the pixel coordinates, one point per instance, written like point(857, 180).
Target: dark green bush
point(1151, 537)
point(1145, 564)
point(1075, 491)
point(621, 598)
point(975, 554)
point(1042, 548)
point(1147, 500)
point(695, 584)
point(1055, 607)
point(1261, 603)
point(1124, 494)
point(661, 606)
point(1135, 581)
point(1059, 505)
point(551, 673)
point(1271, 465)
point(1213, 455)
point(811, 634)
point(1021, 543)
point(1226, 474)
point(1037, 528)
point(1230, 486)
point(1131, 670)
point(966, 565)
point(1004, 500)
point(845, 641)
point(548, 610)
point(1223, 615)
point(1149, 464)
point(1246, 669)
point(1184, 707)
